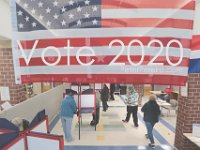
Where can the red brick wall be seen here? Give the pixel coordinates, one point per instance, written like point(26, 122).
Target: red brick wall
point(17, 92)
point(188, 113)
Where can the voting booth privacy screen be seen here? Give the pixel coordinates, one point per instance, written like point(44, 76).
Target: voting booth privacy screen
point(146, 40)
point(35, 137)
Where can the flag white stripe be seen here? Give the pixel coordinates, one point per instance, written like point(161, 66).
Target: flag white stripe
point(105, 69)
point(195, 54)
point(105, 32)
point(148, 13)
point(106, 51)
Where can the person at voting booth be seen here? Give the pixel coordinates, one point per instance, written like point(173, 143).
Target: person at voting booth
point(132, 105)
point(68, 109)
point(95, 117)
point(105, 97)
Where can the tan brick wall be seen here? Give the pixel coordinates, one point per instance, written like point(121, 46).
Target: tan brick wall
point(17, 92)
point(188, 113)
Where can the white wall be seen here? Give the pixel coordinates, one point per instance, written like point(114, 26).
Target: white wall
point(197, 18)
point(50, 101)
point(5, 20)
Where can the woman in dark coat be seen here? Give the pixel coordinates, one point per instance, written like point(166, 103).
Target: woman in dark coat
point(104, 97)
point(151, 116)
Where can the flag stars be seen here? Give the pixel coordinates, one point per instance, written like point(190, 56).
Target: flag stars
point(40, 4)
point(87, 2)
point(94, 8)
point(63, 23)
point(79, 9)
point(41, 17)
point(71, 16)
point(63, 9)
point(34, 24)
point(19, 13)
point(86, 15)
point(21, 26)
point(27, 19)
point(55, 16)
point(71, 2)
point(48, 23)
point(48, 10)
point(55, 3)
point(25, 5)
point(94, 22)
point(79, 22)
point(33, 11)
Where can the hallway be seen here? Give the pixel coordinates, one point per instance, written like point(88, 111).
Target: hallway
point(113, 134)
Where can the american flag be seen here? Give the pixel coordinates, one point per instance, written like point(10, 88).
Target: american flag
point(95, 23)
point(195, 55)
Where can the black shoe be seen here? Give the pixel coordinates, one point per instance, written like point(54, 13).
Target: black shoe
point(152, 145)
point(136, 125)
point(124, 121)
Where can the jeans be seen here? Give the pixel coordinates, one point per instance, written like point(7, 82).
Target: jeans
point(149, 127)
point(67, 125)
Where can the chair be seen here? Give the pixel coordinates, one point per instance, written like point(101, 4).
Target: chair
point(174, 106)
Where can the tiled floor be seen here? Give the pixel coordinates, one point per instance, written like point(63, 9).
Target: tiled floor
point(112, 134)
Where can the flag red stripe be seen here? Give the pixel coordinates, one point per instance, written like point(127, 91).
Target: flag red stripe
point(102, 60)
point(107, 78)
point(80, 42)
point(148, 22)
point(195, 42)
point(173, 4)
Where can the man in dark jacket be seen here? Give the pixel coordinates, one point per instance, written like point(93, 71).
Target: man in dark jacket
point(151, 116)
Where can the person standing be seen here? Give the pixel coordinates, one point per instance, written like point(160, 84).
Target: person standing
point(95, 116)
point(104, 97)
point(132, 105)
point(68, 109)
point(112, 90)
point(151, 116)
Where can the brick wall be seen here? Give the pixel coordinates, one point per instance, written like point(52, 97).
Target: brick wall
point(188, 113)
point(17, 92)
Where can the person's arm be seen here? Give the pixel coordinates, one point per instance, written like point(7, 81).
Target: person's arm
point(144, 107)
point(74, 107)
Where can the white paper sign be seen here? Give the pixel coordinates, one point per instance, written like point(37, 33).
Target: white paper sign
point(184, 90)
point(5, 94)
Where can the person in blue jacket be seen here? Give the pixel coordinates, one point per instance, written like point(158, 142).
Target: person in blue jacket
point(68, 109)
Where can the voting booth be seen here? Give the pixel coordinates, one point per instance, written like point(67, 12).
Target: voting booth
point(85, 101)
point(35, 137)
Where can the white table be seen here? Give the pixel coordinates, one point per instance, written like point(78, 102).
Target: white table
point(192, 138)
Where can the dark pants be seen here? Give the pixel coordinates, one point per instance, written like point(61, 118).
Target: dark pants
point(96, 116)
point(132, 110)
point(105, 105)
point(112, 96)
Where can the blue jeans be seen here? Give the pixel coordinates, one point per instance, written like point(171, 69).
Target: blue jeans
point(67, 126)
point(149, 127)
